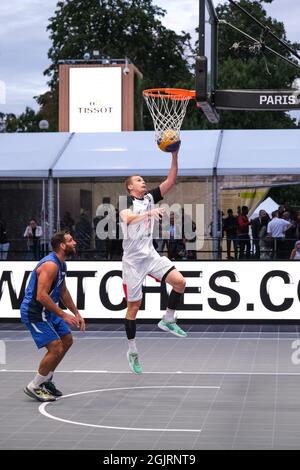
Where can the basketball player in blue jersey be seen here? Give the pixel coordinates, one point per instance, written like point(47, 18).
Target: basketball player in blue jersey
point(46, 321)
point(141, 259)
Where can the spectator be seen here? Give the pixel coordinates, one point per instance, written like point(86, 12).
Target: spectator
point(83, 233)
point(68, 223)
point(257, 233)
point(295, 255)
point(4, 243)
point(265, 248)
point(33, 233)
point(289, 236)
point(219, 232)
point(243, 233)
point(189, 236)
point(276, 232)
point(160, 228)
point(115, 249)
point(176, 245)
point(230, 228)
point(297, 226)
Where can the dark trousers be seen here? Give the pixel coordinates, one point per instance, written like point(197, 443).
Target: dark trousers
point(257, 248)
point(244, 243)
point(233, 239)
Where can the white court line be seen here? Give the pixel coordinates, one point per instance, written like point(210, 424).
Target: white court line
point(171, 338)
point(42, 408)
point(179, 372)
point(115, 332)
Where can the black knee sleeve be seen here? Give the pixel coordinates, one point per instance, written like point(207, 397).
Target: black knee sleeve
point(130, 327)
point(174, 299)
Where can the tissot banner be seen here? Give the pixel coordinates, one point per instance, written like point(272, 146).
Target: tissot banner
point(214, 290)
point(95, 99)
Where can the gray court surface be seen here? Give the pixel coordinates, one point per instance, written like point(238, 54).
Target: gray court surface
point(223, 387)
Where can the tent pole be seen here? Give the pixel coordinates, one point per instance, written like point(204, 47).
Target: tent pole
point(215, 216)
point(58, 205)
point(43, 217)
point(50, 205)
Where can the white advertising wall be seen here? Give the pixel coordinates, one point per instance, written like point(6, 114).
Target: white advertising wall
point(95, 99)
point(215, 290)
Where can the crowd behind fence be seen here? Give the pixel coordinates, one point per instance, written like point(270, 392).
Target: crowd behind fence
point(238, 238)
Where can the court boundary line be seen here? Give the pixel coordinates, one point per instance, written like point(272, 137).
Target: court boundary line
point(178, 372)
point(42, 408)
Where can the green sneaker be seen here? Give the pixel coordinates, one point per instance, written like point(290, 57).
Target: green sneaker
point(51, 388)
point(39, 394)
point(133, 359)
point(173, 328)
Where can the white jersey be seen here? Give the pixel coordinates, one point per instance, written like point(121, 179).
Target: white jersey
point(138, 242)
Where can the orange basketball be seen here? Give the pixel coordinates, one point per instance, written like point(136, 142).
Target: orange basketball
point(169, 141)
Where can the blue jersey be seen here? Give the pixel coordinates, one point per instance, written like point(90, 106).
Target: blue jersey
point(31, 309)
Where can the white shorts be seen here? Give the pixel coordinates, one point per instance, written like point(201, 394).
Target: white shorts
point(134, 275)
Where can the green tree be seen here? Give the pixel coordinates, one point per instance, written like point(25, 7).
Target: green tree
point(117, 28)
point(25, 122)
point(247, 71)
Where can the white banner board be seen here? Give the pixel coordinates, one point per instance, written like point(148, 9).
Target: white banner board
point(214, 290)
point(95, 99)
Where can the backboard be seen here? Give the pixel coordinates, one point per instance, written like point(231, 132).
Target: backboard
point(209, 98)
point(206, 61)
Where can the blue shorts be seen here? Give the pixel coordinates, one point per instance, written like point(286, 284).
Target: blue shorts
point(44, 332)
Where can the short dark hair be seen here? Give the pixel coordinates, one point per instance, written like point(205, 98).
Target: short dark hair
point(58, 238)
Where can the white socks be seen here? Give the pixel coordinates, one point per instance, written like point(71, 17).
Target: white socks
point(39, 380)
point(132, 346)
point(169, 316)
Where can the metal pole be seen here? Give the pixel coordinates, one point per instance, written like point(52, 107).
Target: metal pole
point(50, 205)
point(58, 205)
point(215, 217)
point(44, 237)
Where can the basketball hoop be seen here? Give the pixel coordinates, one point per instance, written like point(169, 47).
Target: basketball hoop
point(167, 107)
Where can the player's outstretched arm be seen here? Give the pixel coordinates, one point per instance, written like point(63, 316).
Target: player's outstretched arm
point(128, 217)
point(171, 179)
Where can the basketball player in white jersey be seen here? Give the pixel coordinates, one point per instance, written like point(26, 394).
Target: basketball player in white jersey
point(141, 259)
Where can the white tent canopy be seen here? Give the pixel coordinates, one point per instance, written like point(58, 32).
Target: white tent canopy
point(30, 155)
point(231, 152)
point(260, 152)
point(268, 205)
point(126, 153)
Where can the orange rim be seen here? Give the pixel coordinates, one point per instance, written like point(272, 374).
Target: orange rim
point(171, 93)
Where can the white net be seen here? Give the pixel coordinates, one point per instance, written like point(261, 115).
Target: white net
point(167, 109)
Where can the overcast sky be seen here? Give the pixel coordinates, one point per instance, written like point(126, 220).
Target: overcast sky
point(24, 41)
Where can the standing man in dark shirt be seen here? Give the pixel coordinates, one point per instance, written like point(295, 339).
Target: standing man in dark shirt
point(230, 228)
